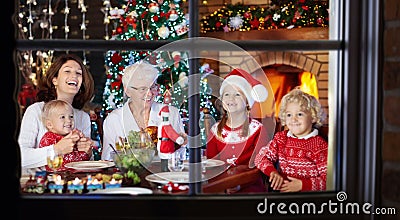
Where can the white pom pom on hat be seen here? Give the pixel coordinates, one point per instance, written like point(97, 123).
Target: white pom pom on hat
point(164, 111)
point(253, 89)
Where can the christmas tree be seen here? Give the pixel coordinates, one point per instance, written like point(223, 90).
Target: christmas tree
point(144, 20)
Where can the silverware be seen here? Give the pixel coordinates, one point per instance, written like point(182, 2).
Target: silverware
point(116, 152)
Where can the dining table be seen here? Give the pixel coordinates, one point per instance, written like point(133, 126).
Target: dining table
point(215, 180)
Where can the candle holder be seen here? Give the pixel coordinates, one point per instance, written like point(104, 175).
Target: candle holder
point(55, 184)
point(93, 184)
point(113, 184)
point(76, 185)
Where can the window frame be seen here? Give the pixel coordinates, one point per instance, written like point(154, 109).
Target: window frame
point(356, 130)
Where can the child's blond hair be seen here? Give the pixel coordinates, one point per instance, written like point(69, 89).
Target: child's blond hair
point(308, 103)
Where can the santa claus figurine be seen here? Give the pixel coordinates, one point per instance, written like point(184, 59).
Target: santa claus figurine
point(167, 137)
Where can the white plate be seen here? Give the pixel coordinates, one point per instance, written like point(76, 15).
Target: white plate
point(209, 163)
point(123, 190)
point(165, 177)
point(90, 165)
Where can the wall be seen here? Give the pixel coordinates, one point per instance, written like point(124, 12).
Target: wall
point(391, 104)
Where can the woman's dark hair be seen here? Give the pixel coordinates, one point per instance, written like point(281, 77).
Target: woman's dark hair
point(47, 90)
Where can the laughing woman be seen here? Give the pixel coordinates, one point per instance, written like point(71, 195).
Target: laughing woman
point(67, 79)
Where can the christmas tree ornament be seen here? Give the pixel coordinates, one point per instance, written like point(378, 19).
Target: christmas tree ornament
point(226, 28)
point(236, 22)
point(176, 55)
point(173, 15)
point(181, 29)
point(167, 135)
point(153, 7)
point(183, 80)
point(163, 32)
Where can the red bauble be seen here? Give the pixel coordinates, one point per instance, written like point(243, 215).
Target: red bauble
point(116, 58)
point(320, 21)
point(115, 85)
point(120, 68)
point(129, 20)
point(247, 15)
point(155, 18)
point(119, 30)
point(218, 24)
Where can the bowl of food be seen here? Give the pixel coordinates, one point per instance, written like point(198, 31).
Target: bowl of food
point(132, 163)
point(134, 159)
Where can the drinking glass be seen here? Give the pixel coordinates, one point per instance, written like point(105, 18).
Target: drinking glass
point(203, 160)
point(175, 162)
point(54, 160)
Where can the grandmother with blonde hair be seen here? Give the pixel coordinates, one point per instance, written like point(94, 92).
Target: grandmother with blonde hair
point(139, 110)
point(296, 158)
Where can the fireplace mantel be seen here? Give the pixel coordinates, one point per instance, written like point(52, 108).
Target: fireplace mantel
point(305, 33)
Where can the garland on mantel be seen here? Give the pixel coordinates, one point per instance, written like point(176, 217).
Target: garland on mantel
point(291, 14)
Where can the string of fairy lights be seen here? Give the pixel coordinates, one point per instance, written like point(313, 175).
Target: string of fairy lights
point(106, 20)
point(82, 6)
point(33, 17)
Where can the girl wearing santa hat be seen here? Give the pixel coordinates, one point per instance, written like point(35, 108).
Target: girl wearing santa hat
point(302, 154)
point(236, 138)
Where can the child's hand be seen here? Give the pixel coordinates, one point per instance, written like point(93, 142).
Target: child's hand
point(276, 180)
point(67, 143)
point(291, 185)
point(78, 132)
point(85, 144)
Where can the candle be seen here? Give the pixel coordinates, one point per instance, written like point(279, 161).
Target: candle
point(56, 185)
point(75, 186)
point(113, 183)
point(93, 184)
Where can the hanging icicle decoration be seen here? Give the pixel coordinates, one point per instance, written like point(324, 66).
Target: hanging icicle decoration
point(82, 6)
point(51, 13)
point(30, 18)
point(106, 21)
point(66, 12)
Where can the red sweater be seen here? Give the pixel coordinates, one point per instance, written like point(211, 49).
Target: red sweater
point(50, 138)
point(305, 159)
point(232, 145)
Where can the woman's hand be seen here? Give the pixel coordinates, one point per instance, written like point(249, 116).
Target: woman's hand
point(185, 139)
point(292, 185)
point(276, 180)
point(67, 143)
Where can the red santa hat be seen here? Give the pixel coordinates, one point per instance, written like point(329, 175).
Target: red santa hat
point(164, 112)
point(253, 89)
